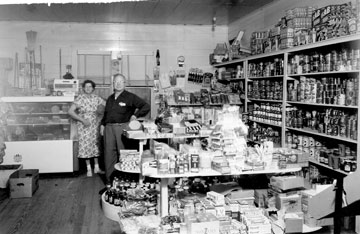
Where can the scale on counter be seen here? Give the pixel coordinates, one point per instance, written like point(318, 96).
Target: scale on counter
point(66, 87)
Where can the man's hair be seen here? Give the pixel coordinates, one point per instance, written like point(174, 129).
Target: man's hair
point(119, 75)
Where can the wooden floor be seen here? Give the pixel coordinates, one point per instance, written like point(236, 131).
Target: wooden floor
point(61, 205)
point(65, 205)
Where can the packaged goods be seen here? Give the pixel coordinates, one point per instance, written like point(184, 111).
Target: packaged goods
point(287, 182)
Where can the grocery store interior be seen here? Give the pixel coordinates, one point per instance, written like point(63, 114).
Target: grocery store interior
point(179, 116)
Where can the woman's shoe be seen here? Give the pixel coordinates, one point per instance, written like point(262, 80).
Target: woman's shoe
point(89, 173)
point(98, 171)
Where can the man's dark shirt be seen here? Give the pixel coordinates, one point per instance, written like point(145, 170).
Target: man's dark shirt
point(121, 109)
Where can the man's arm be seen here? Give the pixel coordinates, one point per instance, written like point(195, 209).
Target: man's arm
point(143, 108)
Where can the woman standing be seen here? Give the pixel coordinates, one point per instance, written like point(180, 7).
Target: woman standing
point(85, 110)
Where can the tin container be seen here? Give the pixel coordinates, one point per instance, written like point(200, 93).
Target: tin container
point(318, 143)
point(300, 140)
point(294, 141)
point(311, 142)
point(341, 150)
point(317, 154)
point(289, 139)
point(305, 141)
point(312, 153)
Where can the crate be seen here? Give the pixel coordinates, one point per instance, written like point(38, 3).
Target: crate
point(24, 183)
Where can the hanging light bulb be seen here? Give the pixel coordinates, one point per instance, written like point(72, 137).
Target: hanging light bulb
point(213, 23)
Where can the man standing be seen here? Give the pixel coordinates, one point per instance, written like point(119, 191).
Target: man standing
point(121, 107)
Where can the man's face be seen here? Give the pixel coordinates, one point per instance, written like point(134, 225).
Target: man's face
point(119, 83)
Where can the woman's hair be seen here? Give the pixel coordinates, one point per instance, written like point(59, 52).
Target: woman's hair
point(89, 82)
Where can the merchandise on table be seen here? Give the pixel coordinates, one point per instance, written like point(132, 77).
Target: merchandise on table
point(129, 160)
point(131, 198)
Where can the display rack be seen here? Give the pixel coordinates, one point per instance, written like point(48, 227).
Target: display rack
point(325, 46)
point(351, 40)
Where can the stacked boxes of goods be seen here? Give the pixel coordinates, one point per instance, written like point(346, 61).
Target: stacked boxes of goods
point(286, 190)
point(286, 38)
point(257, 40)
point(272, 42)
point(298, 26)
point(309, 207)
point(289, 158)
point(129, 160)
point(334, 21)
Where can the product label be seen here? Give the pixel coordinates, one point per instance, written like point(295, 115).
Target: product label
point(194, 162)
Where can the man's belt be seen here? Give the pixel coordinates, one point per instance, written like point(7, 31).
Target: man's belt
point(118, 124)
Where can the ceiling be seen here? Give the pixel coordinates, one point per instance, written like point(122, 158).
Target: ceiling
point(192, 12)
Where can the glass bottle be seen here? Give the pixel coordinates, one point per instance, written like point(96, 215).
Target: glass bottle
point(107, 193)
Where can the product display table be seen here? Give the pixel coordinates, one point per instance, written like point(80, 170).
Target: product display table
point(143, 137)
point(165, 180)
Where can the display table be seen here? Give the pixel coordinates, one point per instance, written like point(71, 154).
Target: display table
point(164, 196)
point(143, 137)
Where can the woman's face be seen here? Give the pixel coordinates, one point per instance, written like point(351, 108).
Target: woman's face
point(88, 88)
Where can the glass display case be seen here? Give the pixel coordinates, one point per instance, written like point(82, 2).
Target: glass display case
point(39, 133)
point(35, 121)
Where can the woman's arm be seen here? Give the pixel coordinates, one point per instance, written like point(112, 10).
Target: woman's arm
point(77, 117)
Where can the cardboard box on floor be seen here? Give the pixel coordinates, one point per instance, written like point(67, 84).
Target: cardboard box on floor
point(24, 183)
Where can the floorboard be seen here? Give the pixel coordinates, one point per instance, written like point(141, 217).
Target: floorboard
point(67, 204)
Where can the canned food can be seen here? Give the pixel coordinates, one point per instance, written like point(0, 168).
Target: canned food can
point(311, 142)
point(341, 150)
point(317, 154)
point(300, 140)
point(294, 141)
point(305, 141)
point(317, 143)
point(312, 153)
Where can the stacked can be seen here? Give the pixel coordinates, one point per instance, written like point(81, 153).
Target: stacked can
point(318, 148)
point(306, 144)
point(288, 140)
point(301, 89)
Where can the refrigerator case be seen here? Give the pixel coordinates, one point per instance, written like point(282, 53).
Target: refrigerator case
point(39, 133)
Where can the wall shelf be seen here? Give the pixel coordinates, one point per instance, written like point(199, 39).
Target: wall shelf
point(322, 135)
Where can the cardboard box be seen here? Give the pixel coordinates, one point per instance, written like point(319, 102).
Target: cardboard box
point(313, 222)
point(24, 183)
point(287, 182)
point(319, 202)
point(289, 204)
point(293, 223)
